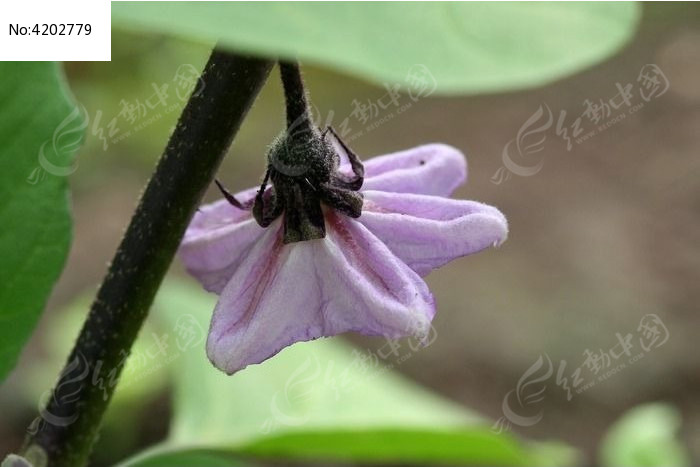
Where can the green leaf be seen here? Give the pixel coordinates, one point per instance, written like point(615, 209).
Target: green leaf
point(645, 437)
point(468, 446)
point(193, 457)
point(464, 47)
point(322, 400)
point(40, 130)
point(476, 445)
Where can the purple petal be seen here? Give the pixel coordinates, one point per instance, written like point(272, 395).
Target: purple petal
point(217, 240)
point(432, 169)
point(427, 232)
point(283, 294)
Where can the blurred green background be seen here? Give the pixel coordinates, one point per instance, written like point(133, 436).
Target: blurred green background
point(602, 235)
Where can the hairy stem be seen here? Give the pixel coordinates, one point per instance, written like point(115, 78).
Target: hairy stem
point(68, 426)
point(294, 95)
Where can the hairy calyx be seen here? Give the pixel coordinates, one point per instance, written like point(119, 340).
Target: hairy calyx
point(303, 169)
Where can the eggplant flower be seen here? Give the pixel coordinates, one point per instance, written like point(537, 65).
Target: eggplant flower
point(320, 255)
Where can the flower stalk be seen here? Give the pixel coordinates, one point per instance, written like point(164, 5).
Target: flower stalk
point(294, 94)
point(199, 142)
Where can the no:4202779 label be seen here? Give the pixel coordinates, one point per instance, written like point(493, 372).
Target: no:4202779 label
point(62, 29)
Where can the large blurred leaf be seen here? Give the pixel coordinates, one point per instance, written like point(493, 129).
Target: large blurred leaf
point(320, 400)
point(474, 445)
point(463, 47)
point(645, 437)
point(190, 457)
point(467, 446)
point(40, 130)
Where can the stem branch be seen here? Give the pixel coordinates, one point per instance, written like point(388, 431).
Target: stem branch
point(294, 94)
point(208, 123)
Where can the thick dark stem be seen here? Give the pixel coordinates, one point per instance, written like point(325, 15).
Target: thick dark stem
point(69, 424)
point(294, 95)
